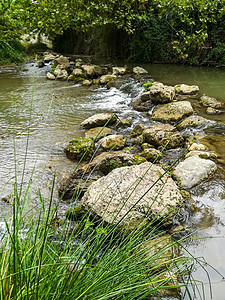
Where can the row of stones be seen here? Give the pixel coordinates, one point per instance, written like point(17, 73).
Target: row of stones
point(151, 140)
point(79, 71)
point(159, 93)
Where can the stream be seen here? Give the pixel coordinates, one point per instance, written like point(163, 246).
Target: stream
point(57, 109)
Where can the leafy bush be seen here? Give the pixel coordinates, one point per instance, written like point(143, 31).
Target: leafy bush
point(150, 41)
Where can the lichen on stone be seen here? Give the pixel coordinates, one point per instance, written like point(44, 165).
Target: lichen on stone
point(80, 148)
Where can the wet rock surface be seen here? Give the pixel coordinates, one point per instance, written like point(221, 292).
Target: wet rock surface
point(149, 139)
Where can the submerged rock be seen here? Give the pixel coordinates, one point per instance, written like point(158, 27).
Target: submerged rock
point(172, 112)
point(193, 170)
point(80, 148)
point(164, 246)
point(129, 194)
point(99, 120)
point(161, 134)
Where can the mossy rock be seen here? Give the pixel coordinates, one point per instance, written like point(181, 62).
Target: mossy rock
point(185, 194)
point(138, 130)
point(74, 187)
point(138, 160)
point(80, 148)
point(146, 146)
point(75, 213)
point(75, 79)
point(124, 123)
point(113, 161)
point(139, 140)
point(151, 154)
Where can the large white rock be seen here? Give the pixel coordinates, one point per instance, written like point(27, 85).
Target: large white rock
point(128, 194)
point(193, 170)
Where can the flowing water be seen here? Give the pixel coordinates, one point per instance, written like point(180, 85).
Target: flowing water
point(57, 109)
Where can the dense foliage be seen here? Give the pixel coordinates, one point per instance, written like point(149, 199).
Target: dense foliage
point(185, 30)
